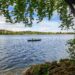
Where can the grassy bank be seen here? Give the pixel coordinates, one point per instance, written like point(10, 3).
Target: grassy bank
point(64, 67)
point(6, 32)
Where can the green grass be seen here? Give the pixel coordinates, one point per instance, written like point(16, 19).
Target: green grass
point(64, 67)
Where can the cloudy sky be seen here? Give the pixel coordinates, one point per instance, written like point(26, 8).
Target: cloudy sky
point(44, 26)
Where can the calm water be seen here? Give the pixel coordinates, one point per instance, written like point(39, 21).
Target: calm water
point(17, 52)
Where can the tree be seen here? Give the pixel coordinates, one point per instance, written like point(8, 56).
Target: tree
point(25, 11)
point(71, 5)
point(71, 48)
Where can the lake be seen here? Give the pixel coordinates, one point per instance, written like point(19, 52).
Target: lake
point(17, 52)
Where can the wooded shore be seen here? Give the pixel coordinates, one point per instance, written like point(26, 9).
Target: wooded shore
point(7, 32)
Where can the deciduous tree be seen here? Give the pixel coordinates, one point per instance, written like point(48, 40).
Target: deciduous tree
point(25, 11)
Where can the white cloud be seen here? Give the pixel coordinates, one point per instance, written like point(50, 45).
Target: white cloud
point(2, 19)
point(44, 26)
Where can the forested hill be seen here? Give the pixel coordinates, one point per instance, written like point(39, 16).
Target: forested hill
point(7, 32)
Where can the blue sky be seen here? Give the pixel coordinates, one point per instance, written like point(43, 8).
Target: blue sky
point(44, 26)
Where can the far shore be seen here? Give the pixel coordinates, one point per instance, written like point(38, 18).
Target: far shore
point(7, 32)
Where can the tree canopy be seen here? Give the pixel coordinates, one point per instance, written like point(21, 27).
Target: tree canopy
point(26, 10)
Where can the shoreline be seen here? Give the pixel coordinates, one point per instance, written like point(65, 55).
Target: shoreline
point(42, 34)
point(18, 71)
point(63, 67)
point(6, 32)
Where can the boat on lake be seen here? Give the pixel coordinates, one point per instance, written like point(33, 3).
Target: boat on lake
point(33, 40)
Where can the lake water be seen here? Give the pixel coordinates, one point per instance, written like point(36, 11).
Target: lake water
point(17, 52)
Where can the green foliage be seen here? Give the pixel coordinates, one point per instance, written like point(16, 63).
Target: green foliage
point(71, 48)
point(64, 67)
point(24, 11)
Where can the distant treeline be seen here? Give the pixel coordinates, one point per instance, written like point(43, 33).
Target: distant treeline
point(7, 32)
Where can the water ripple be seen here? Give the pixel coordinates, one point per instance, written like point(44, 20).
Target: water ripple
point(16, 51)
